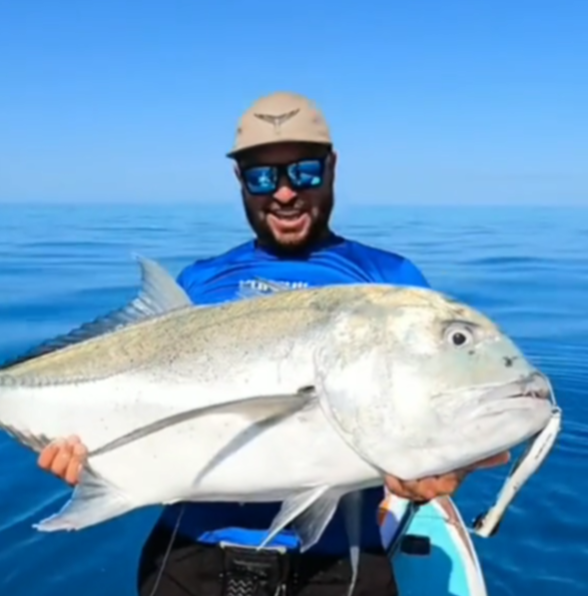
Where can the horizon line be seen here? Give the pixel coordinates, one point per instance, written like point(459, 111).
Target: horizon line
point(339, 204)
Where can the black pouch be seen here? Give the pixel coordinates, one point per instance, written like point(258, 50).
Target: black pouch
point(252, 572)
point(196, 569)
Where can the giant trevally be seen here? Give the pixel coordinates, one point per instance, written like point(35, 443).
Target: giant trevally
point(303, 396)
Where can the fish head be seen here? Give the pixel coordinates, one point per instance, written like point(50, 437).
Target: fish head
point(436, 386)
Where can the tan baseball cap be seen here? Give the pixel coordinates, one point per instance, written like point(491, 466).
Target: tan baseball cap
point(279, 118)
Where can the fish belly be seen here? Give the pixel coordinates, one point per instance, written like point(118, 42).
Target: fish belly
point(251, 465)
point(167, 466)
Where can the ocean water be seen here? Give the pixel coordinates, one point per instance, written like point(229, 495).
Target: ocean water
point(527, 268)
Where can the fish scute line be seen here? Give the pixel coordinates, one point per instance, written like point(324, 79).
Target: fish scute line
point(30, 382)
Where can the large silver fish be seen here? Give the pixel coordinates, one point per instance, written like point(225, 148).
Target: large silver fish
point(302, 396)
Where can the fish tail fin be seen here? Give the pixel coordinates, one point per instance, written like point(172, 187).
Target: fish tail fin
point(94, 500)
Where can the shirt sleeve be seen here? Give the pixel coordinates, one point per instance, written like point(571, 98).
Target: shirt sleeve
point(189, 279)
point(181, 279)
point(407, 273)
point(413, 275)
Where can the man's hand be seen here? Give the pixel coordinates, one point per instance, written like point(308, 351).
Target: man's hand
point(427, 489)
point(64, 458)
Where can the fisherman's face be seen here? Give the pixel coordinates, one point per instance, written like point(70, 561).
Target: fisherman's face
point(288, 193)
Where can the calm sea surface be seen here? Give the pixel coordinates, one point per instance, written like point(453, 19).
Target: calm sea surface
point(528, 268)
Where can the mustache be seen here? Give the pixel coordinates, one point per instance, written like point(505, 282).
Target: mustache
point(297, 206)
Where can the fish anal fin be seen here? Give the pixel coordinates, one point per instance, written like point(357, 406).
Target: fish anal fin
point(309, 512)
point(311, 524)
point(159, 293)
point(94, 501)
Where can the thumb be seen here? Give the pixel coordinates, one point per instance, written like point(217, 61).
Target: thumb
point(491, 462)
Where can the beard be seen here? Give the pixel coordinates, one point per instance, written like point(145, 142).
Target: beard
point(319, 212)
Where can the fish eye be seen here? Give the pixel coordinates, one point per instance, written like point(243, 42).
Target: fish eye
point(459, 335)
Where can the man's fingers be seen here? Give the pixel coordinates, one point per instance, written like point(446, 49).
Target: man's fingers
point(427, 489)
point(497, 460)
point(72, 472)
point(491, 462)
point(395, 487)
point(62, 460)
point(420, 491)
point(75, 465)
point(401, 489)
point(47, 455)
point(80, 451)
point(436, 487)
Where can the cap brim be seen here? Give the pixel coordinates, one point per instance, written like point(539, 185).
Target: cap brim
point(236, 152)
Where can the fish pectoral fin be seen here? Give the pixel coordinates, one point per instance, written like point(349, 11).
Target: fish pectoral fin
point(255, 408)
point(352, 510)
point(284, 410)
point(309, 511)
point(159, 294)
point(94, 500)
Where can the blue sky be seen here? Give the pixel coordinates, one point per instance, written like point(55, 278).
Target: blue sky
point(428, 101)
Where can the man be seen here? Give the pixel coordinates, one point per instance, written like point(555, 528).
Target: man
point(285, 165)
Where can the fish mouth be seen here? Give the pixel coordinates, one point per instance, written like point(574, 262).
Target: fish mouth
point(533, 386)
point(537, 386)
point(528, 392)
point(531, 392)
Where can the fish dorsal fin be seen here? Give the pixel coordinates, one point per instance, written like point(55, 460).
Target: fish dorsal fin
point(159, 294)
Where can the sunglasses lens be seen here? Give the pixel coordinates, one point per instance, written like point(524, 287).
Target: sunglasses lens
point(306, 174)
point(260, 180)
